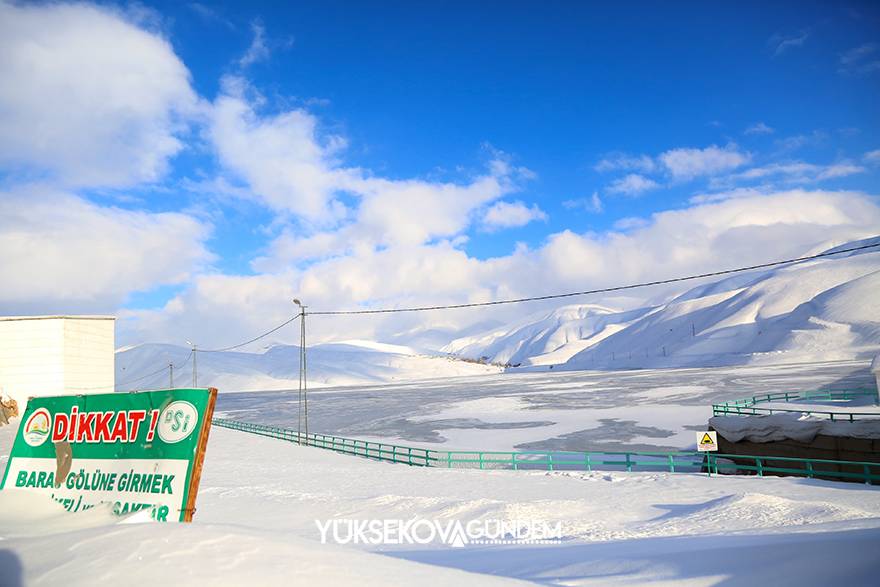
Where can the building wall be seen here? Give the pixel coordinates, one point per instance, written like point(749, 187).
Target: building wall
point(89, 347)
point(56, 355)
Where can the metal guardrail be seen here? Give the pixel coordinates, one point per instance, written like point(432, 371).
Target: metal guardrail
point(866, 472)
point(363, 448)
point(746, 407)
point(672, 462)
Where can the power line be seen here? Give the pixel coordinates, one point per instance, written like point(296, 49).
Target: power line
point(136, 379)
point(502, 302)
point(592, 291)
point(539, 298)
point(156, 372)
point(254, 339)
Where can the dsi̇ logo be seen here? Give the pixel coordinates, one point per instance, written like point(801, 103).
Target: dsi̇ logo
point(177, 421)
point(36, 430)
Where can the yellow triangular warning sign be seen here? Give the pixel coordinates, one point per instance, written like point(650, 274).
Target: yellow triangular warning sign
point(706, 439)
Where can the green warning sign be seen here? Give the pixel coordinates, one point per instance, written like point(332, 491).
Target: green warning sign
point(141, 450)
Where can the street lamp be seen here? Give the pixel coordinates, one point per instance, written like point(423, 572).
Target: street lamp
point(303, 420)
point(195, 367)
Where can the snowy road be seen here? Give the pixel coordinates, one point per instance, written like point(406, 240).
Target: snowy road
point(611, 410)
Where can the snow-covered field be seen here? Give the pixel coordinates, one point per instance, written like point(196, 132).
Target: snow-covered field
point(260, 498)
point(620, 410)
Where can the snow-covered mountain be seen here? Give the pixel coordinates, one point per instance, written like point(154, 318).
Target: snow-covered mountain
point(814, 310)
point(346, 363)
point(550, 339)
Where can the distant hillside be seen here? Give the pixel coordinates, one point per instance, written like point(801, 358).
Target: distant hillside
point(347, 363)
point(812, 311)
point(816, 310)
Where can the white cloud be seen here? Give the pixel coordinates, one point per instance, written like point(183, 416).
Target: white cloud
point(872, 157)
point(632, 185)
point(287, 164)
point(591, 204)
point(210, 15)
point(624, 162)
point(759, 128)
point(796, 142)
point(630, 222)
point(297, 171)
point(841, 169)
point(61, 253)
point(96, 101)
point(782, 43)
point(395, 213)
point(687, 164)
point(258, 50)
point(860, 60)
point(510, 215)
point(792, 172)
point(749, 229)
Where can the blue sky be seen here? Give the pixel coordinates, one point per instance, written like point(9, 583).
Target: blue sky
point(495, 144)
point(420, 89)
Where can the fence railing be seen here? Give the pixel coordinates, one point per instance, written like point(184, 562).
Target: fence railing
point(363, 448)
point(747, 406)
point(672, 462)
point(866, 472)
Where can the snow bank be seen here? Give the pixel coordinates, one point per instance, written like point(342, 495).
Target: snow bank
point(798, 427)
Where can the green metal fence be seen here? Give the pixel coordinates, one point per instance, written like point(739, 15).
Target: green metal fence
point(747, 406)
point(672, 462)
point(865, 472)
point(380, 451)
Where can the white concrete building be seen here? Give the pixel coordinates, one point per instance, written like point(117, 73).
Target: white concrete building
point(55, 355)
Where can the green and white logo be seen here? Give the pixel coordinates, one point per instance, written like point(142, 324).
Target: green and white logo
point(36, 430)
point(177, 421)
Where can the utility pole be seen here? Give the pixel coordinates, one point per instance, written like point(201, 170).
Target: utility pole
point(303, 422)
point(170, 375)
point(195, 364)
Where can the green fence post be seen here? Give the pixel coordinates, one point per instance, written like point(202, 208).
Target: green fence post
point(550, 461)
point(448, 459)
point(671, 464)
point(629, 466)
point(760, 466)
point(481, 459)
point(810, 469)
point(513, 460)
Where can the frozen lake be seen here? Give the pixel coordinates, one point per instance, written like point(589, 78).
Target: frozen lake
point(583, 410)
